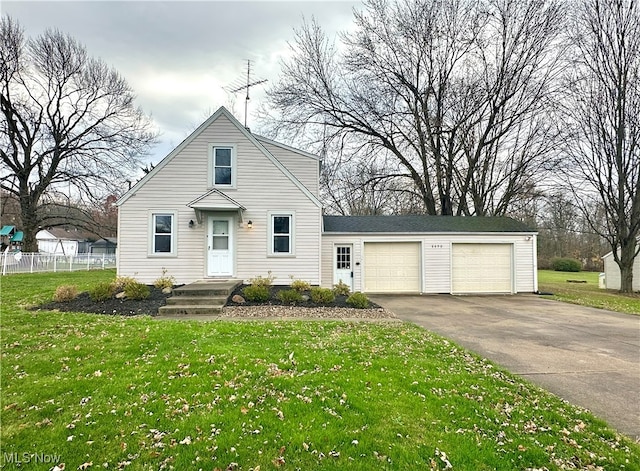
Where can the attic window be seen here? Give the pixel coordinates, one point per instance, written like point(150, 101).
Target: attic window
point(222, 164)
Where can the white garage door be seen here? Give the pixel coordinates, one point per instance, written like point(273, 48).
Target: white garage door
point(481, 268)
point(392, 267)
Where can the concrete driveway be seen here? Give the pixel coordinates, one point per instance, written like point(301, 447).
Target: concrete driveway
point(590, 357)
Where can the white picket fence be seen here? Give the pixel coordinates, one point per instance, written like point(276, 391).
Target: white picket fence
point(21, 262)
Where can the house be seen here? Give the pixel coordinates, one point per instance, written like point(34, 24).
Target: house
point(105, 245)
point(65, 240)
point(612, 273)
point(227, 203)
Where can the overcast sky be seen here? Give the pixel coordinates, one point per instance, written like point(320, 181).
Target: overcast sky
point(180, 56)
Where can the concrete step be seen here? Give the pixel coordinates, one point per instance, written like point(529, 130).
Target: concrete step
point(207, 288)
point(177, 311)
point(196, 300)
point(199, 298)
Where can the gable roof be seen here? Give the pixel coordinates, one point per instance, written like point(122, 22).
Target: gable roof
point(215, 199)
point(422, 223)
point(266, 140)
point(222, 111)
point(62, 233)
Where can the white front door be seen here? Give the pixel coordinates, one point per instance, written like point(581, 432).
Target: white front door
point(220, 246)
point(342, 266)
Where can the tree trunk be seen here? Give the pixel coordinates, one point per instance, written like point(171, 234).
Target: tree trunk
point(28, 210)
point(627, 252)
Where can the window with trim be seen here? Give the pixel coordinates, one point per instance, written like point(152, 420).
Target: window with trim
point(162, 234)
point(282, 234)
point(222, 165)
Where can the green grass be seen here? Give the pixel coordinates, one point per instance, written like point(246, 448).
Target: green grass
point(586, 294)
point(138, 394)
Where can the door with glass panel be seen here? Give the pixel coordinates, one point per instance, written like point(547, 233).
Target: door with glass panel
point(342, 266)
point(220, 247)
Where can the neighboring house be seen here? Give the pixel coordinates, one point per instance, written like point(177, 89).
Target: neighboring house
point(11, 237)
point(227, 203)
point(64, 241)
point(612, 273)
point(106, 245)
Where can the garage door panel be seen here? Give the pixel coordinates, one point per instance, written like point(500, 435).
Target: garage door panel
point(482, 268)
point(392, 267)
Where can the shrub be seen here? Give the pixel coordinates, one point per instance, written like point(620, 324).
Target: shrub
point(122, 281)
point(300, 285)
point(136, 290)
point(358, 300)
point(256, 293)
point(341, 289)
point(262, 281)
point(290, 296)
point(65, 293)
point(322, 295)
point(101, 291)
point(566, 264)
point(164, 281)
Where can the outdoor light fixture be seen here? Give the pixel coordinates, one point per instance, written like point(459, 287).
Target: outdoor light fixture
point(191, 224)
point(249, 224)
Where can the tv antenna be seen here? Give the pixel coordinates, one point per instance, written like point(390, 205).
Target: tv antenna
point(237, 86)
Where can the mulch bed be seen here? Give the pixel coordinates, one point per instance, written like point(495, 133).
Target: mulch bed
point(156, 299)
point(113, 306)
point(340, 301)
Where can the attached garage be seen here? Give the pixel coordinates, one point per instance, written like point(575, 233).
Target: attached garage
point(481, 268)
point(430, 254)
point(392, 267)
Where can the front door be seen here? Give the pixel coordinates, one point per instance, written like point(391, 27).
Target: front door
point(343, 269)
point(220, 246)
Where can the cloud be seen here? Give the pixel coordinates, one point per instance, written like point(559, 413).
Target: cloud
point(180, 56)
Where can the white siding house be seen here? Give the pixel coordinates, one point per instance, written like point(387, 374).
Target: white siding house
point(612, 273)
point(223, 204)
point(58, 241)
point(229, 204)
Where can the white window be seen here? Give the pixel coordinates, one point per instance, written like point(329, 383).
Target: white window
point(281, 234)
point(222, 166)
point(163, 234)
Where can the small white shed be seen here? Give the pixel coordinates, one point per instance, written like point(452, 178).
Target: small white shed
point(429, 254)
point(612, 273)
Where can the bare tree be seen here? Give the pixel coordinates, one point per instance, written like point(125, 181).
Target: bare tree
point(367, 187)
point(603, 117)
point(69, 127)
point(455, 91)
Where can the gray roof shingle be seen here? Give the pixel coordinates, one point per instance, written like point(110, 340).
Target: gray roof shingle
point(422, 223)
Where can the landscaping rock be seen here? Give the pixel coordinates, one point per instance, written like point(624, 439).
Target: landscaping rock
point(120, 295)
point(167, 290)
point(305, 298)
point(238, 299)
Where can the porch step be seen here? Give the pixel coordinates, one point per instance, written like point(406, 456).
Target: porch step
point(202, 297)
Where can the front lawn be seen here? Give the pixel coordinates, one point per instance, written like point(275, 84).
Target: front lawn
point(135, 393)
point(564, 288)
